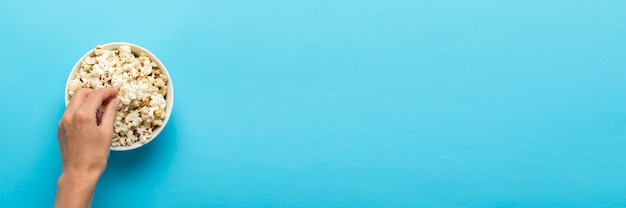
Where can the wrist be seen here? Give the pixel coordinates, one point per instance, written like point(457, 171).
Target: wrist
point(75, 189)
point(78, 179)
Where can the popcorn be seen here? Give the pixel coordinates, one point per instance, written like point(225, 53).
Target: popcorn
point(142, 88)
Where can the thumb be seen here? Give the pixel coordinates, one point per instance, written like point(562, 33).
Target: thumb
point(108, 118)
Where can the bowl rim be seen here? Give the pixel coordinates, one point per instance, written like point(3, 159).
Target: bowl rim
point(170, 89)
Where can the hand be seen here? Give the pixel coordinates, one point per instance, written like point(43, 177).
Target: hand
point(84, 141)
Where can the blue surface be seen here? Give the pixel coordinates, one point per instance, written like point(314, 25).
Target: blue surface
point(336, 103)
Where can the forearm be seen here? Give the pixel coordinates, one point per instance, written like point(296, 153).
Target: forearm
point(76, 190)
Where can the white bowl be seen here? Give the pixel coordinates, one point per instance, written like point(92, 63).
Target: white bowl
point(169, 97)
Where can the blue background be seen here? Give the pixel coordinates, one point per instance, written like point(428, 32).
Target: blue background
point(336, 103)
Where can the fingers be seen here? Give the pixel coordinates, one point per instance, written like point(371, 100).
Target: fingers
point(95, 99)
point(101, 110)
point(108, 118)
point(77, 99)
